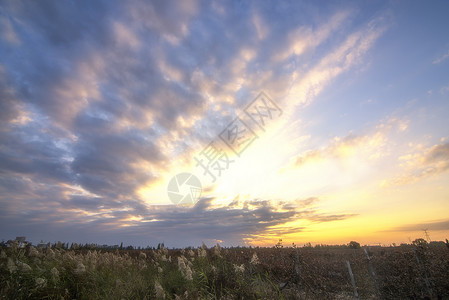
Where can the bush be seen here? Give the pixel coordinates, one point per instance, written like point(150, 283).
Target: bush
point(354, 245)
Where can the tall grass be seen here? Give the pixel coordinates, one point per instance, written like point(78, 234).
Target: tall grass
point(228, 273)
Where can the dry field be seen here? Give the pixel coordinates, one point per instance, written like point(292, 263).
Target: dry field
point(419, 271)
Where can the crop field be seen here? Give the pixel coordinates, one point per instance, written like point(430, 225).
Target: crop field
point(404, 272)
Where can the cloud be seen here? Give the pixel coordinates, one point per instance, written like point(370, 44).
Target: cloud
point(344, 55)
point(306, 39)
point(7, 31)
point(170, 224)
point(330, 218)
point(371, 144)
point(342, 148)
point(441, 58)
point(430, 226)
point(169, 18)
point(438, 153)
point(444, 90)
point(101, 99)
point(426, 163)
point(27, 151)
point(261, 28)
point(307, 202)
point(109, 164)
point(9, 107)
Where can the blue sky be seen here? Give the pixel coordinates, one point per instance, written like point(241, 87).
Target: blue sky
point(102, 103)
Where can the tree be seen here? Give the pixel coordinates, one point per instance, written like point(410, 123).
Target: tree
point(420, 243)
point(279, 244)
point(354, 245)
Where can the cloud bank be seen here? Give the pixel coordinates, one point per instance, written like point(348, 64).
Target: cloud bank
point(100, 99)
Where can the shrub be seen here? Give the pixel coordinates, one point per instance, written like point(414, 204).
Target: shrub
point(354, 245)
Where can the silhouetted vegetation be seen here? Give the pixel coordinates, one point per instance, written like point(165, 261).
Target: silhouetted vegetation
point(62, 271)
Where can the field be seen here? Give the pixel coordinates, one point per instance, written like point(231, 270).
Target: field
point(419, 271)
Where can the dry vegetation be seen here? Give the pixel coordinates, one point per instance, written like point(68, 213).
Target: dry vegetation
point(419, 271)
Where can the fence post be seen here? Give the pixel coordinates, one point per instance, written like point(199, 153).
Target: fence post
point(297, 269)
point(356, 294)
point(371, 272)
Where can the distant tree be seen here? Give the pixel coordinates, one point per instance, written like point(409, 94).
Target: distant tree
point(354, 245)
point(279, 244)
point(420, 243)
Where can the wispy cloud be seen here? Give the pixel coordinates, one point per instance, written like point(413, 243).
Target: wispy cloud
point(7, 31)
point(431, 226)
point(371, 144)
point(345, 55)
point(341, 148)
point(305, 39)
point(441, 58)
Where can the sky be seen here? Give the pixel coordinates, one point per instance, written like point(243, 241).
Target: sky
point(306, 121)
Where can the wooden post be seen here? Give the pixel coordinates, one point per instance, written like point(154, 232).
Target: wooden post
point(356, 294)
point(371, 272)
point(297, 269)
